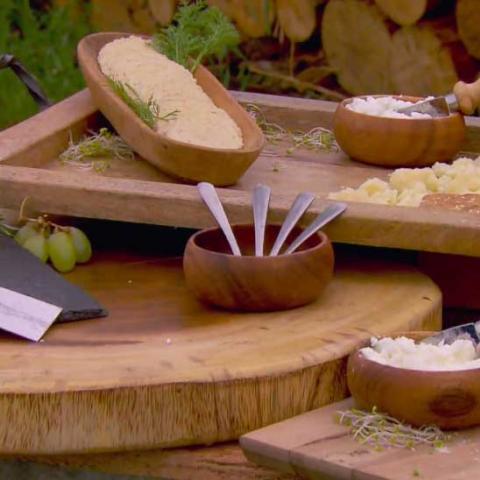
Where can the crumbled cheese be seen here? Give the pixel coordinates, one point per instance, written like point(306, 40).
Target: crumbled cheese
point(384, 107)
point(403, 352)
point(172, 87)
point(408, 186)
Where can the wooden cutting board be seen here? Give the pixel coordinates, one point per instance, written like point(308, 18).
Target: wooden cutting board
point(163, 370)
point(135, 191)
point(316, 447)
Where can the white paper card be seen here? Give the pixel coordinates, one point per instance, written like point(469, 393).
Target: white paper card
point(25, 316)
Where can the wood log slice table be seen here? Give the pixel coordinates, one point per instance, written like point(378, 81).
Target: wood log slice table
point(163, 370)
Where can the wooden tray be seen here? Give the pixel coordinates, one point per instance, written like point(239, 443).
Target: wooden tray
point(137, 192)
point(162, 370)
point(315, 447)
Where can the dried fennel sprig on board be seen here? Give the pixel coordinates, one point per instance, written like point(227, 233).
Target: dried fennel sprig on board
point(381, 431)
point(317, 139)
point(93, 151)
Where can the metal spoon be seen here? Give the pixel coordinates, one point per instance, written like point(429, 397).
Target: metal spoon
point(261, 198)
point(322, 219)
point(210, 197)
point(298, 208)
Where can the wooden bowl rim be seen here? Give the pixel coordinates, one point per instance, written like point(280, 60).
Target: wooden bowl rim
point(358, 356)
point(323, 242)
point(259, 142)
point(342, 105)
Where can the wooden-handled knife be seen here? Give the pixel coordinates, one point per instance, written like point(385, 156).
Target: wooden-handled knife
point(465, 98)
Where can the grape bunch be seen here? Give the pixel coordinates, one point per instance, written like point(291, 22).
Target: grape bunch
point(63, 246)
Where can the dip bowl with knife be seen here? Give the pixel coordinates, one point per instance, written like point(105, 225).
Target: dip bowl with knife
point(422, 392)
point(408, 141)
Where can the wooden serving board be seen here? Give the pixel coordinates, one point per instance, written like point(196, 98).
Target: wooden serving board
point(163, 370)
point(135, 191)
point(314, 446)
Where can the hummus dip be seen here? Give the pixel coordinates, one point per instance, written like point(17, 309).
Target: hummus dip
point(197, 120)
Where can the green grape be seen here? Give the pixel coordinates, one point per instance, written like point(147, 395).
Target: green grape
point(26, 232)
point(81, 244)
point(37, 244)
point(61, 251)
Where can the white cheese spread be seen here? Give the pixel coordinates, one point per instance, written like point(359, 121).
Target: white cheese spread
point(403, 352)
point(383, 107)
point(198, 121)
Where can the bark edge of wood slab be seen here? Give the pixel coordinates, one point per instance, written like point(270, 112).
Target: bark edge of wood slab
point(181, 160)
point(251, 283)
point(398, 142)
point(163, 370)
point(448, 399)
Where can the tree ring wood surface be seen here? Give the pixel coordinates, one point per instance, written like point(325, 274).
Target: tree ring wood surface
point(163, 370)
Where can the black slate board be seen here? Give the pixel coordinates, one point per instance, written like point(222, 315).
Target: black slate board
point(22, 272)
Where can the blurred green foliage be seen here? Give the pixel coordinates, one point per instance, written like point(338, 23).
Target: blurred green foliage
point(45, 42)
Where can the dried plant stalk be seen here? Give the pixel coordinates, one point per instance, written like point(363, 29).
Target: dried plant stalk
point(381, 430)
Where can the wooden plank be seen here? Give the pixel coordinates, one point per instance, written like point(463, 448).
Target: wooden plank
point(137, 193)
point(324, 450)
point(46, 134)
point(179, 205)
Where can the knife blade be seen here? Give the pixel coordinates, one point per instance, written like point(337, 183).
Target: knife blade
point(435, 107)
point(25, 316)
point(467, 331)
point(465, 98)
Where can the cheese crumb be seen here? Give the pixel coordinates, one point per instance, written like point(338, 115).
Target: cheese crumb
point(384, 107)
point(407, 186)
point(403, 352)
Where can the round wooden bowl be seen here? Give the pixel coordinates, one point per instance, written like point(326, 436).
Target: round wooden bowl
point(398, 142)
point(250, 283)
point(448, 399)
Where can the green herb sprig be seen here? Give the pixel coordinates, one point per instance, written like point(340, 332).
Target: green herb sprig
point(169, 116)
point(198, 32)
point(148, 112)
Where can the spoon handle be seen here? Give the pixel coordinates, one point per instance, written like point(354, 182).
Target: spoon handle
point(210, 197)
point(321, 220)
point(300, 205)
point(261, 198)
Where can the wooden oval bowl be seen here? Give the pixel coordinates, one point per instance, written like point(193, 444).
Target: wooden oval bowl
point(250, 283)
point(448, 399)
point(398, 142)
point(182, 160)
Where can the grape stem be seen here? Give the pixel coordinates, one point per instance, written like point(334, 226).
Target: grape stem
point(42, 221)
point(21, 216)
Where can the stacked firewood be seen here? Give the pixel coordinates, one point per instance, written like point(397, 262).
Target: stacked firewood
point(415, 47)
